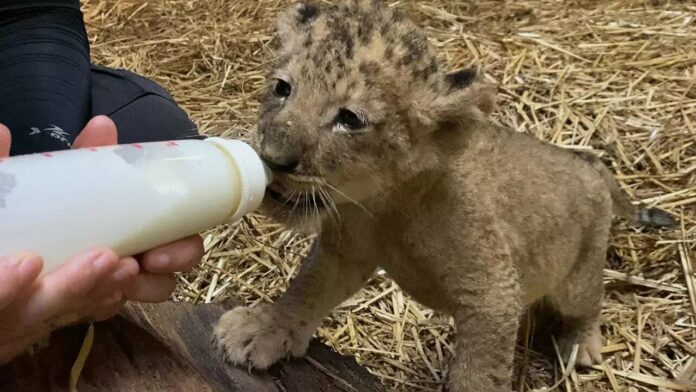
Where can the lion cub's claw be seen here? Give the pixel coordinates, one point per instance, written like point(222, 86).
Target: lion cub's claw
point(257, 338)
point(590, 346)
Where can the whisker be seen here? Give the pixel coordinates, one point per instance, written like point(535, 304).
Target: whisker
point(327, 204)
point(330, 202)
point(331, 208)
point(314, 203)
point(322, 200)
point(305, 203)
point(349, 199)
point(294, 207)
point(287, 195)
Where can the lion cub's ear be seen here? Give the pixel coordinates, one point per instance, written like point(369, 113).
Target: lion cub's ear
point(467, 87)
point(464, 98)
point(294, 23)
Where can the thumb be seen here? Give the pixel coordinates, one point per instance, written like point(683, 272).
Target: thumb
point(99, 131)
point(5, 141)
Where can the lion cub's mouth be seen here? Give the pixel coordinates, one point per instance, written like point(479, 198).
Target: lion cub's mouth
point(296, 199)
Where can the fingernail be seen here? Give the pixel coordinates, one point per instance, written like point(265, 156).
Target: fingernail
point(123, 272)
point(101, 260)
point(17, 263)
point(158, 261)
point(26, 265)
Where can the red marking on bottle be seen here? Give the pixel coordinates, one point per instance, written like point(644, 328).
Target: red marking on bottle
point(172, 144)
point(138, 146)
point(93, 149)
point(47, 155)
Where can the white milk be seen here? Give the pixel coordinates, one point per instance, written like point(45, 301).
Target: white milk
point(127, 197)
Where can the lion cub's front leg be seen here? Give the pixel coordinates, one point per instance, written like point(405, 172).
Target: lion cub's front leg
point(259, 337)
point(484, 349)
point(486, 318)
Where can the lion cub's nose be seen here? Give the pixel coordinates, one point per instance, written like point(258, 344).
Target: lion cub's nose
point(280, 150)
point(284, 165)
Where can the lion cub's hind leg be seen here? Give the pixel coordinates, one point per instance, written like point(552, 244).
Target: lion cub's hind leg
point(578, 301)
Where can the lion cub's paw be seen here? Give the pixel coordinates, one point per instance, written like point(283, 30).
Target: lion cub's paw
point(257, 338)
point(590, 345)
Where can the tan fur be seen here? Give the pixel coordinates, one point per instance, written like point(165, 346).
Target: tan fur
point(469, 219)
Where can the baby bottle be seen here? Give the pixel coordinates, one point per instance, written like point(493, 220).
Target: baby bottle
point(129, 198)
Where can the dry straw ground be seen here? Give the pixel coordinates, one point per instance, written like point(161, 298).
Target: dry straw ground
point(617, 77)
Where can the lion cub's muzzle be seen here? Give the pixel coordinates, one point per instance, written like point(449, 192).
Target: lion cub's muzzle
point(297, 192)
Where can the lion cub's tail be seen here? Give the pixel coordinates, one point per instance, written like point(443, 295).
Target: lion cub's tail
point(622, 204)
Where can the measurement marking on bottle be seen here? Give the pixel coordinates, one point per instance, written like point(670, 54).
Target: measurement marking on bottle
point(94, 149)
point(172, 144)
point(138, 146)
point(47, 154)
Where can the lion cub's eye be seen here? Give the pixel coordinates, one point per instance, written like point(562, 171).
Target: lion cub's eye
point(283, 88)
point(350, 120)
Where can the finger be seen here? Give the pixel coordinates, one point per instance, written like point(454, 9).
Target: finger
point(102, 298)
point(151, 288)
point(128, 269)
point(109, 310)
point(100, 309)
point(66, 290)
point(99, 131)
point(125, 274)
point(5, 141)
point(178, 256)
point(16, 274)
point(113, 301)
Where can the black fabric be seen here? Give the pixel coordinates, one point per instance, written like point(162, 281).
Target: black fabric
point(142, 110)
point(6, 5)
point(45, 84)
point(49, 90)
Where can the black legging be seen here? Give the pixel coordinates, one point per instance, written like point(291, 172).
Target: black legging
point(49, 90)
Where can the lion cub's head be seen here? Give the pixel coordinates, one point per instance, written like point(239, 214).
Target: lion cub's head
point(357, 103)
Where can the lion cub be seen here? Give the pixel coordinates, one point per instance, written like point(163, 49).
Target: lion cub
point(393, 160)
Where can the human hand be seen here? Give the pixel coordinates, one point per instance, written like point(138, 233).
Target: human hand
point(93, 286)
point(88, 287)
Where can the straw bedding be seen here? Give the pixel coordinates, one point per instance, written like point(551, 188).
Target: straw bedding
point(616, 77)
